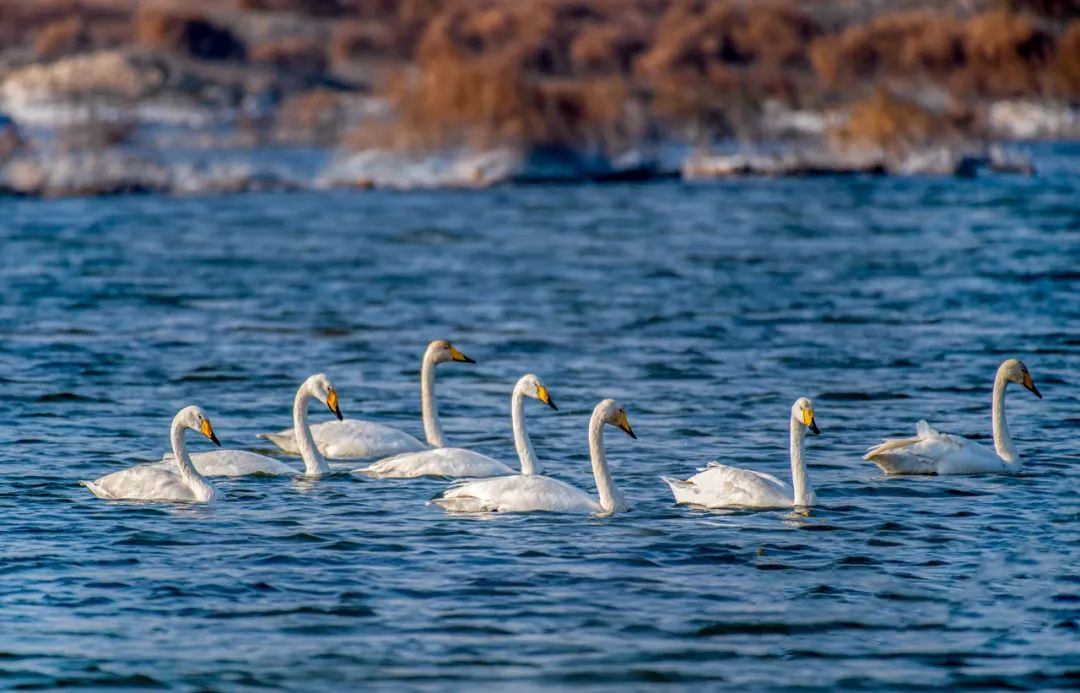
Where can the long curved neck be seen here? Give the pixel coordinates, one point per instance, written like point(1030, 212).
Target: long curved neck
point(521, 436)
point(192, 479)
point(314, 463)
point(610, 496)
point(804, 492)
point(1002, 442)
point(432, 427)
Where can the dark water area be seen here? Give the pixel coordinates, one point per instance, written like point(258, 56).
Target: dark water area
point(706, 310)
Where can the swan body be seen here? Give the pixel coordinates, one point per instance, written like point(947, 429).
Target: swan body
point(245, 463)
point(356, 439)
point(461, 463)
point(179, 483)
point(351, 439)
point(521, 493)
point(454, 463)
point(524, 493)
point(721, 486)
point(235, 463)
point(931, 452)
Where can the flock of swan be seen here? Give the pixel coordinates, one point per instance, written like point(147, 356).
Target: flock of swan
point(487, 485)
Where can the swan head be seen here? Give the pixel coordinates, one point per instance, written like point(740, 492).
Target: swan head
point(196, 419)
point(530, 386)
point(1015, 371)
point(442, 351)
point(803, 412)
point(615, 415)
point(320, 387)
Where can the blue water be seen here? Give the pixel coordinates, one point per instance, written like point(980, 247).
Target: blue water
point(706, 310)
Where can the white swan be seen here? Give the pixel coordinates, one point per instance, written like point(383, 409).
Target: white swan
point(721, 486)
point(154, 482)
point(243, 462)
point(355, 439)
point(462, 463)
point(524, 493)
point(930, 452)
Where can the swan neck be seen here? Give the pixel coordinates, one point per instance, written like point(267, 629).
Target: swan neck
point(314, 463)
point(522, 443)
point(804, 492)
point(198, 484)
point(610, 497)
point(432, 426)
point(1003, 444)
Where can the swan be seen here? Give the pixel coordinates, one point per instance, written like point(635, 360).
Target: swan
point(355, 439)
point(524, 493)
point(459, 462)
point(243, 463)
point(930, 452)
point(721, 486)
point(153, 482)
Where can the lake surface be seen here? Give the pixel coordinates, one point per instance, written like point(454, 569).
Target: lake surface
point(706, 310)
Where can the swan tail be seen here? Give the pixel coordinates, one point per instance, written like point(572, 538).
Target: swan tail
point(463, 504)
point(677, 484)
point(904, 464)
point(680, 488)
point(923, 431)
point(96, 490)
point(284, 440)
point(373, 472)
point(888, 445)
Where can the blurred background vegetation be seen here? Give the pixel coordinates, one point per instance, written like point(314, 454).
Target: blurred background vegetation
point(598, 76)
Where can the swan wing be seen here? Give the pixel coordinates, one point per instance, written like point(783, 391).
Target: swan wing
point(147, 482)
point(235, 463)
point(442, 462)
point(516, 494)
point(932, 452)
point(350, 439)
point(721, 486)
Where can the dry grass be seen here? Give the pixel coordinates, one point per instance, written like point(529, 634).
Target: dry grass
point(593, 73)
point(19, 19)
point(314, 116)
point(1006, 54)
point(360, 41)
point(295, 56)
point(186, 33)
point(62, 37)
point(914, 43)
point(1065, 69)
point(313, 8)
point(892, 125)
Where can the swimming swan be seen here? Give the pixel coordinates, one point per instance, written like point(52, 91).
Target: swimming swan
point(461, 463)
point(721, 486)
point(930, 452)
point(524, 493)
point(243, 463)
point(355, 439)
point(178, 483)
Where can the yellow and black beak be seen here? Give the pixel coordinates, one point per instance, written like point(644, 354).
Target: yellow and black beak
point(458, 356)
point(1030, 384)
point(207, 430)
point(331, 401)
point(543, 396)
point(808, 419)
point(624, 423)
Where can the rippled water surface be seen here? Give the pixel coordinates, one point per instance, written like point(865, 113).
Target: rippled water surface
point(707, 310)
